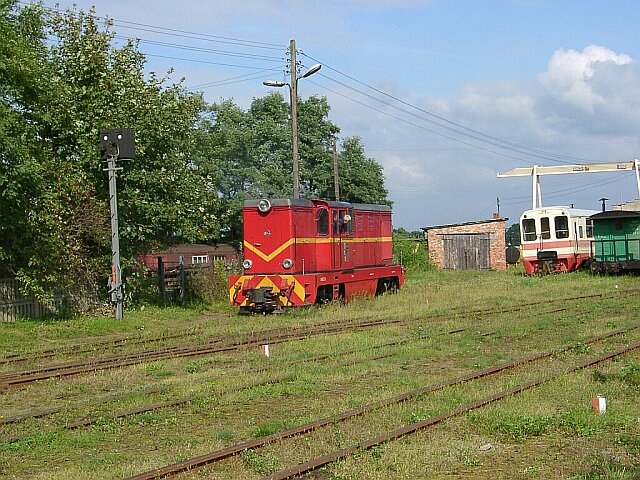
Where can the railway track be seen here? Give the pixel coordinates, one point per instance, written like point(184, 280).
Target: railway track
point(137, 340)
point(219, 455)
point(92, 347)
point(26, 377)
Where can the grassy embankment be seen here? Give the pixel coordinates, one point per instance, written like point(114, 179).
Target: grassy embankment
point(548, 431)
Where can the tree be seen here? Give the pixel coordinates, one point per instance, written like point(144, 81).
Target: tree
point(54, 101)
point(512, 234)
point(361, 178)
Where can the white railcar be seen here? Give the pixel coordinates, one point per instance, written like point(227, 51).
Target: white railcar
point(556, 239)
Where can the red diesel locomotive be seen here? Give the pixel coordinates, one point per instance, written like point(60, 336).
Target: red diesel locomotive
point(300, 252)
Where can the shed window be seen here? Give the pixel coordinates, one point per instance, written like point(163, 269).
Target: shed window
point(323, 222)
point(562, 226)
point(529, 229)
point(618, 224)
point(196, 259)
point(545, 231)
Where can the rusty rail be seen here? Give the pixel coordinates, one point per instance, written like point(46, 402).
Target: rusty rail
point(221, 454)
point(413, 427)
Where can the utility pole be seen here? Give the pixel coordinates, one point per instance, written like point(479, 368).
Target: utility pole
point(116, 145)
point(336, 184)
point(293, 90)
point(294, 119)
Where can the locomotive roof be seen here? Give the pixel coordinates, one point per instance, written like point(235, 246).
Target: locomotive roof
point(574, 212)
point(303, 202)
point(612, 214)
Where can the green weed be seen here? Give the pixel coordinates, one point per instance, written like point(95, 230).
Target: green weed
point(261, 463)
point(578, 422)
point(631, 442)
point(519, 428)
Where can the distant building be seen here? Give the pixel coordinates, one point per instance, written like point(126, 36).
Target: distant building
point(468, 246)
point(193, 254)
point(633, 206)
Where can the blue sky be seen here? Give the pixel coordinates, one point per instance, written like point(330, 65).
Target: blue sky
point(561, 77)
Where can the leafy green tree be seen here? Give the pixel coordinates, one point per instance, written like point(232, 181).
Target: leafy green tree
point(361, 178)
point(54, 101)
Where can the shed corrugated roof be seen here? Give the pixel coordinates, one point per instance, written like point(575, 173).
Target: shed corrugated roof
point(477, 222)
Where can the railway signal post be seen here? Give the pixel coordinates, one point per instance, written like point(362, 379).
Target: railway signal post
point(116, 144)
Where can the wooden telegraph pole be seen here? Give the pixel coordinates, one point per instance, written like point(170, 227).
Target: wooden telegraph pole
point(294, 120)
point(336, 184)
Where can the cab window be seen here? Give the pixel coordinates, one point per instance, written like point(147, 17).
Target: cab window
point(545, 231)
point(346, 221)
point(529, 229)
point(342, 222)
point(562, 226)
point(322, 222)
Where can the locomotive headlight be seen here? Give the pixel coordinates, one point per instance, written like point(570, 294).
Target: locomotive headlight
point(247, 264)
point(287, 263)
point(264, 205)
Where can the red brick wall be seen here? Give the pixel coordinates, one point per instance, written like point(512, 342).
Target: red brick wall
point(496, 229)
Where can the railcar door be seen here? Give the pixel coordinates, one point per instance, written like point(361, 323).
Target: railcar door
point(342, 229)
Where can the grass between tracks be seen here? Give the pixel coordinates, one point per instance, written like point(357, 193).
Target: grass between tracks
point(547, 432)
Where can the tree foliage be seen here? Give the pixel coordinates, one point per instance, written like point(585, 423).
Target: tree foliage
point(53, 196)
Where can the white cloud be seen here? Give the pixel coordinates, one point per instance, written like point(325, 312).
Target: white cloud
point(570, 73)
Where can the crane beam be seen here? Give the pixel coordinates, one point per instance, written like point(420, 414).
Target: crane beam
point(536, 171)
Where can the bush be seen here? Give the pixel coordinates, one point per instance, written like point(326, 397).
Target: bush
point(208, 285)
point(412, 253)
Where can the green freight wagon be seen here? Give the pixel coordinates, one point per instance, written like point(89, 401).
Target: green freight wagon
point(616, 244)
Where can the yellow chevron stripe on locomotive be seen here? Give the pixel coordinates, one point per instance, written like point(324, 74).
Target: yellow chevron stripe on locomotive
point(289, 291)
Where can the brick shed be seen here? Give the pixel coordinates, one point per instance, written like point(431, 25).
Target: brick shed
point(468, 246)
point(193, 254)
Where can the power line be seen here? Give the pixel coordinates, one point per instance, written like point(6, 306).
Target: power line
point(199, 61)
point(196, 35)
point(496, 141)
point(205, 50)
point(419, 126)
point(238, 79)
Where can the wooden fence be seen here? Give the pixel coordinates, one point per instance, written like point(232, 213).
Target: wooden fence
point(13, 304)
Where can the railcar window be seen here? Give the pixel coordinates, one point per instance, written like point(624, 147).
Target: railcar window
point(580, 229)
point(562, 226)
point(589, 228)
point(323, 222)
point(545, 231)
point(529, 229)
point(335, 222)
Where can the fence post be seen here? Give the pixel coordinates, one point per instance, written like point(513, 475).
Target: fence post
point(161, 278)
point(183, 280)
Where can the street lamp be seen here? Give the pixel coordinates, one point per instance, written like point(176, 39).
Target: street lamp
point(293, 90)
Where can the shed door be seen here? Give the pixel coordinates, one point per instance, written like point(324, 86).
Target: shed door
point(466, 251)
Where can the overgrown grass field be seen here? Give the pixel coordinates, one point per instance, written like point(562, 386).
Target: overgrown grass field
point(549, 431)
